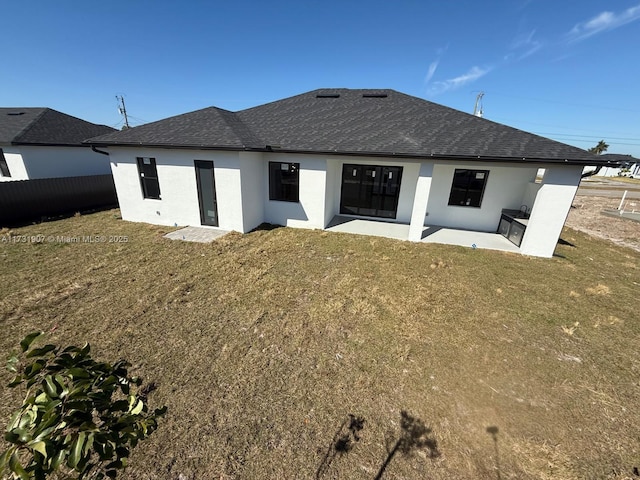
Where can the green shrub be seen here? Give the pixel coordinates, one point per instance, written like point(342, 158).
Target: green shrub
point(79, 419)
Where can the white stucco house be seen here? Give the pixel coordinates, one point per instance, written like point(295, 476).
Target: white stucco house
point(310, 160)
point(44, 143)
point(628, 166)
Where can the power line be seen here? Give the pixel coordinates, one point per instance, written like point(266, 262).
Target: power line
point(599, 132)
point(573, 104)
point(578, 140)
point(599, 137)
point(138, 119)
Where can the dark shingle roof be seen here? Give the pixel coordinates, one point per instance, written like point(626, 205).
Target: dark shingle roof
point(44, 126)
point(209, 127)
point(358, 122)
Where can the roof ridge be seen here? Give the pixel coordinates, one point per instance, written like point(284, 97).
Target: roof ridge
point(247, 134)
point(30, 125)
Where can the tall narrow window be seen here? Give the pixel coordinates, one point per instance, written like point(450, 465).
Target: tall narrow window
point(148, 177)
point(468, 187)
point(4, 168)
point(284, 180)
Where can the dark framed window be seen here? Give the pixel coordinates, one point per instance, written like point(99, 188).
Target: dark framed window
point(148, 177)
point(468, 187)
point(284, 181)
point(4, 168)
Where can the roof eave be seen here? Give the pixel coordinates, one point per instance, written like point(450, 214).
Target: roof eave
point(49, 144)
point(105, 144)
point(416, 156)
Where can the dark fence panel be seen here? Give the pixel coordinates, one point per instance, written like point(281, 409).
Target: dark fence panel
point(32, 199)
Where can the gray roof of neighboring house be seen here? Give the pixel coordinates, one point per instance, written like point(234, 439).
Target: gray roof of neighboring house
point(351, 122)
point(45, 126)
point(620, 158)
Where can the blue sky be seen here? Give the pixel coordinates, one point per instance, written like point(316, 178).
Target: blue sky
point(566, 70)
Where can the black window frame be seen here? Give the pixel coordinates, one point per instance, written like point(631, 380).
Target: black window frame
point(284, 183)
point(465, 191)
point(148, 173)
point(4, 167)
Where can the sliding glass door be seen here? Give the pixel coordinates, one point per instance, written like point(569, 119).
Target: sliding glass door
point(370, 190)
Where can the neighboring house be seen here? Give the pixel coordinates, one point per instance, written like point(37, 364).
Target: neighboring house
point(369, 154)
point(44, 143)
point(628, 166)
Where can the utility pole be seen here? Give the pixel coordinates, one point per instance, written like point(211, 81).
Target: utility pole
point(478, 111)
point(123, 110)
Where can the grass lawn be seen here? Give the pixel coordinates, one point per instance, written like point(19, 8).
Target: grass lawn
point(605, 183)
point(306, 354)
point(635, 181)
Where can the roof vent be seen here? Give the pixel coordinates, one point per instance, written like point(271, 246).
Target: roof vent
point(374, 95)
point(328, 95)
point(15, 113)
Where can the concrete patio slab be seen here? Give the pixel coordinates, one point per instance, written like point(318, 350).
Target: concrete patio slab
point(399, 231)
point(466, 238)
point(430, 234)
point(633, 215)
point(196, 234)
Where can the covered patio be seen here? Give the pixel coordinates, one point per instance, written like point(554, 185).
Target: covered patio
point(430, 234)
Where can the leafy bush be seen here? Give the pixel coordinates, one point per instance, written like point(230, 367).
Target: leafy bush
point(79, 419)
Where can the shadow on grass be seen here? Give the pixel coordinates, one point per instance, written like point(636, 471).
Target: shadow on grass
point(266, 227)
point(343, 442)
point(493, 431)
point(37, 219)
point(562, 241)
point(414, 435)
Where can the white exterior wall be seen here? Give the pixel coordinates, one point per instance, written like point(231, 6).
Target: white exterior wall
point(309, 212)
point(54, 162)
point(242, 191)
point(332, 195)
point(530, 193)
point(252, 170)
point(612, 172)
point(605, 171)
point(178, 189)
point(28, 162)
point(550, 210)
point(421, 201)
point(505, 188)
point(13, 156)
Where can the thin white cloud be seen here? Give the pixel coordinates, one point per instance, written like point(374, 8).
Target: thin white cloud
point(442, 50)
point(523, 40)
point(524, 45)
point(433, 66)
point(471, 76)
point(533, 49)
point(562, 57)
point(603, 22)
point(524, 4)
point(432, 69)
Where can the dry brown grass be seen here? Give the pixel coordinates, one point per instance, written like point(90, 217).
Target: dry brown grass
point(634, 181)
point(263, 344)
